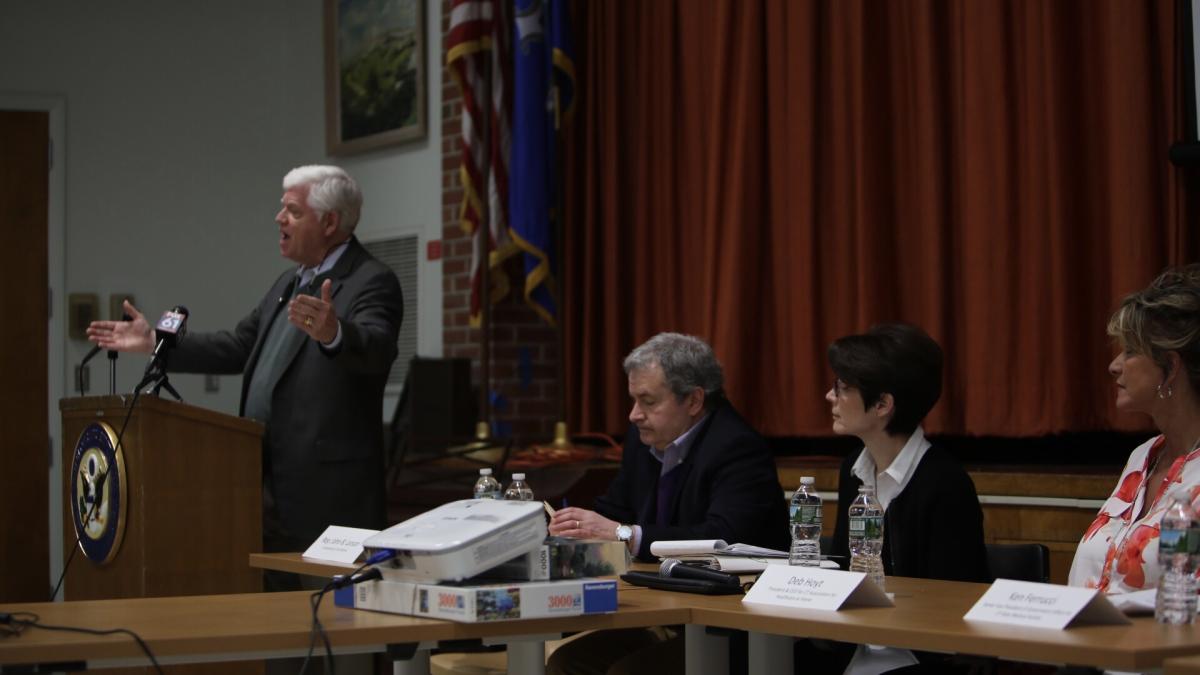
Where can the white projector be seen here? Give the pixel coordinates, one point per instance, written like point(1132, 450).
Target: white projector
point(458, 540)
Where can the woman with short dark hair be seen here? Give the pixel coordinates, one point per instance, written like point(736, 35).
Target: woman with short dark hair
point(888, 379)
point(1157, 372)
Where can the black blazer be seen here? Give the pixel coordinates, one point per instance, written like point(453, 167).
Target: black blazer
point(729, 490)
point(933, 529)
point(323, 445)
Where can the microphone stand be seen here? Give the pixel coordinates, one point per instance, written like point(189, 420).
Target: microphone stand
point(156, 380)
point(79, 370)
point(112, 372)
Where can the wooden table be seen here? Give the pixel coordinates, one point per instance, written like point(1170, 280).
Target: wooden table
point(298, 564)
point(1188, 665)
point(199, 629)
point(927, 616)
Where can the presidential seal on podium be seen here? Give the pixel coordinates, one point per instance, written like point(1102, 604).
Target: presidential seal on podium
point(98, 493)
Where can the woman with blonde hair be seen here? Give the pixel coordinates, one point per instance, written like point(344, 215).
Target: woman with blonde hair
point(1157, 372)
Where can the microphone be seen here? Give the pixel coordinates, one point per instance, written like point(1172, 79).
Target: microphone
point(79, 370)
point(94, 351)
point(112, 353)
point(673, 567)
point(169, 330)
point(112, 357)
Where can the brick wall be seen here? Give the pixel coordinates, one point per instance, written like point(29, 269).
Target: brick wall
point(524, 349)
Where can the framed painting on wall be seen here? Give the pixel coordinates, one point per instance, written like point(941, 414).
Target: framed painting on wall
point(374, 74)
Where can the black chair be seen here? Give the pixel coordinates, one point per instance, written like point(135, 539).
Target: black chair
point(826, 544)
point(1022, 562)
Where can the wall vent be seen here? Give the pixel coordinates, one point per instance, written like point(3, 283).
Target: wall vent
point(400, 254)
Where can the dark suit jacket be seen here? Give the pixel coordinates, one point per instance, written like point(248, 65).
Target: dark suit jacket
point(323, 446)
point(933, 529)
point(730, 489)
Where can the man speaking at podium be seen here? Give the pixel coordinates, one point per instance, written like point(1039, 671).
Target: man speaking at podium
point(314, 354)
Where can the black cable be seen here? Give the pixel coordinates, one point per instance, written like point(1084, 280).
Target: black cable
point(334, 584)
point(17, 624)
point(103, 478)
point(7, 621)
point(319, 630)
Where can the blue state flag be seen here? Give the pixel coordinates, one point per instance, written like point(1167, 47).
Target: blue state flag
point(543, 97)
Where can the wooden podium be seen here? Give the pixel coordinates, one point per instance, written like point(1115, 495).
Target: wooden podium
point(193, 502)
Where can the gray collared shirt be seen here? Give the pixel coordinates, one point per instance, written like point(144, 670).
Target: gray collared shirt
point(671, 457)
point(305, 275)
point(675, 452)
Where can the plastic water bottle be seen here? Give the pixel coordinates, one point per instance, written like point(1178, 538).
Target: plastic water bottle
point(866, 535)
point(518, 489)
point(1178, 544)
point(487, 487)
point(806, 525)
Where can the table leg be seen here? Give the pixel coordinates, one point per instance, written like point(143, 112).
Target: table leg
point(417, 665)
point(704, 654)
point(527, 657)
point(770, 653)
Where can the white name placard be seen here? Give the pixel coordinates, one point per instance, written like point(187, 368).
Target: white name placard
point(1026, 603)
point(339, 544)
point(814, 588)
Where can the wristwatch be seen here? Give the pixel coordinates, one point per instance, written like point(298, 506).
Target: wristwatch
point(624, 533)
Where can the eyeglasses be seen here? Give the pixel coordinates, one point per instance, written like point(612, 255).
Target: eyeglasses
point(840, 388)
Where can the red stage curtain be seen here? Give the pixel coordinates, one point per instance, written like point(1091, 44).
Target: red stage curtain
point(773, 174)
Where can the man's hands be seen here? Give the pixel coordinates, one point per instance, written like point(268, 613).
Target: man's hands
point(123, 336)
point(582, 524)
point(315, 316)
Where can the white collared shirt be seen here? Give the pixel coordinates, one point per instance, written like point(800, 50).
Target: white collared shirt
point(895, 478)
point(888, 484)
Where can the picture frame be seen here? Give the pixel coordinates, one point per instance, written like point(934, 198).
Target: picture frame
point(375, 85)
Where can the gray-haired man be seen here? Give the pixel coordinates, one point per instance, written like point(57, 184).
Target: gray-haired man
point(314, 354)
point(692, 469)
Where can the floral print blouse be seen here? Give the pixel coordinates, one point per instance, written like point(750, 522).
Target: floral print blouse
point(1117, 553)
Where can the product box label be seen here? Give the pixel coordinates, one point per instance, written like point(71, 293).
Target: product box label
point(496, 602)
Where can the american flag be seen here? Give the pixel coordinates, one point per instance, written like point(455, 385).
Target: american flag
point(477, 55)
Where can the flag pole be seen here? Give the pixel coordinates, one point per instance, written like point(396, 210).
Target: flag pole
point(483, 428)
point(475, 43)
point(561, 436)
point(560, 28)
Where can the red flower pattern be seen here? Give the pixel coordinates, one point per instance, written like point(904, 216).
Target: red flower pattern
point(1118, 553)
point(1101, 521)
point(1129, 487)
point(1130, 563)
point(1105, 572)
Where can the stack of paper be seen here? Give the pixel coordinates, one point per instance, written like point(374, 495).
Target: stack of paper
point(716, 554)
point(685, 547)
point(1137, 602)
